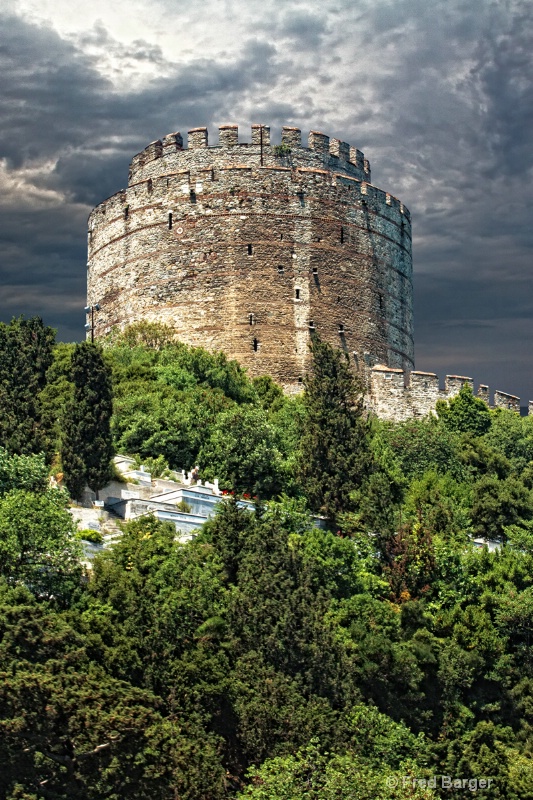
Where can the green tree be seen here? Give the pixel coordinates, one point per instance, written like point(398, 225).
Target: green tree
point(57, 393)
point(465, 413)
point(312, 774)
point(70, 729)
point(207, 369)
point(269, 393)
point(512, 436)
point(441, 504)
point(37, 542)
point(480, 458)
point(87, 449)
point(242, 452)
point(498, 504)
point(22, 472)
point(378, 499)
point(152, 335)
point(335, 454)
point(419, 445)
point(25, 355)
point(484, 752)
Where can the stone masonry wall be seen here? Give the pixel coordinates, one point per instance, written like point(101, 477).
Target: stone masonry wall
point(397, 395)
point(248, 248)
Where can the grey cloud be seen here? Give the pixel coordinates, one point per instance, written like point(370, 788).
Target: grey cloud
point(50, 93)
point(303, 26)
point(42, 266)
point(139, 50)
point(505, 71)
point(61, 109)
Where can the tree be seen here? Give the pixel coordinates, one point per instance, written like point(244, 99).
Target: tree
point(512, 436)
point(312, 774)
point(465, 413)
point(153, 335)
point(22, 472)
point(498, 504)
point(335, 453)
point(37, 542)
point(409, 561)
point(242, 452)
point(419, 445)
point(86, 442)
point(70, 729)
point(270, 395)
point(25, 355)
point(57, 393)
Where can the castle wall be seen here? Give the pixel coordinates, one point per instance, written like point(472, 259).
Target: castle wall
point(247, 248)
point(397, 395)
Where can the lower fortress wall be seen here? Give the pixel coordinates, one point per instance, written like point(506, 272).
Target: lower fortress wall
point(397, 395)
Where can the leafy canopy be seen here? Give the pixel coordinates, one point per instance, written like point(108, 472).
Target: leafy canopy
point(465, 413)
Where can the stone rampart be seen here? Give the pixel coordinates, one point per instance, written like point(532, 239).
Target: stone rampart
point(249, 248)
point(397, 395)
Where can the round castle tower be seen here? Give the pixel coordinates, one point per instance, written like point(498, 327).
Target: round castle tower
point(250, 248)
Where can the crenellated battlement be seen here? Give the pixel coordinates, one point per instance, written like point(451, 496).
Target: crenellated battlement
point(331, 153)
point(399, 395)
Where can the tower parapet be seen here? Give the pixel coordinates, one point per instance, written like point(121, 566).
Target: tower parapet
point(330, 153)
point(249, 247)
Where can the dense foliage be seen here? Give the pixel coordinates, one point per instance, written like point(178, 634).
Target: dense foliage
point(25, 356)
point(86, 445)
point(269, 658)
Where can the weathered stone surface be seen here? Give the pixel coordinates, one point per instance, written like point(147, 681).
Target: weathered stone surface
point(504, 400)
point(241, 256)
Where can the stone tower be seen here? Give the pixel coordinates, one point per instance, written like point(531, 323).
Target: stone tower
point(249, 248)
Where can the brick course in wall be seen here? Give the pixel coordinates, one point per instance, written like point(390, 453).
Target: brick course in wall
point(247, 247)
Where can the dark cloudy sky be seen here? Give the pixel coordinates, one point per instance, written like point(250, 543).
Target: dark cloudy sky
point(437, 93)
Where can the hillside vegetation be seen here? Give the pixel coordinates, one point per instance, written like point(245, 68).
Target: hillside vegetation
point(266, 659)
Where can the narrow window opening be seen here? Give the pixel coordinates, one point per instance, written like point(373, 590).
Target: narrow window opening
point(170, 220)
point(256, 345)
point(315, 270)
point(300, 379)
point(250, 249)
point(281, 269)
point(311, 325)
point(341, 328)
point(342, 235)
point(297, 294)
point(301, 198)
point(192, 196)
point(149, 185)
point(126, 212)
point(251, 319)
point(381, 302)
point(281, 235)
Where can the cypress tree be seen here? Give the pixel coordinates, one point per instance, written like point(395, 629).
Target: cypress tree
point(25, 355)
point(86, 442)
point(335, 455)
